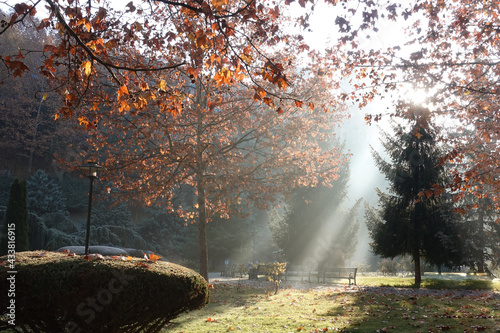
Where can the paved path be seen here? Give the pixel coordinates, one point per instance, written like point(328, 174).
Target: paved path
point(217, 278)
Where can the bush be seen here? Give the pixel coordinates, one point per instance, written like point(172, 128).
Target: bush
point(57, 292)
point(16, 220)
point(388, 267)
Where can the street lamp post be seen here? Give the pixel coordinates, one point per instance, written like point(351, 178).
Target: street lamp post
point(92, 171)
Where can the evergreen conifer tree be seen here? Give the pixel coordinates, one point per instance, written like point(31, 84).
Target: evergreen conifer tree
point(44, 194)
point(16, 218)
point(479, 222)
point(414, 218)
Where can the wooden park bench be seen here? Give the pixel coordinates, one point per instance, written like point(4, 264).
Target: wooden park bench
point(338, 273)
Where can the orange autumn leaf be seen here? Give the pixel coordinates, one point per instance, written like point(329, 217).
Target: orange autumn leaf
point(268, 101)
point(154, 257)
point(122, 91)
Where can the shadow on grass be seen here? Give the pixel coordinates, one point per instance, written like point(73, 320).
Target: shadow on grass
point(430, 309)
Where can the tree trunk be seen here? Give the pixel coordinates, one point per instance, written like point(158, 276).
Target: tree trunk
point(417, 241)
point(32, 149)
point(202, 230)
point(418, 273)
point(480, 222)
point(200, 171)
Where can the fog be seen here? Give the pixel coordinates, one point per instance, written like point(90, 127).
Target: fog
point(358, 137)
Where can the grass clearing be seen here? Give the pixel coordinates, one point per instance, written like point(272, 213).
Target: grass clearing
point(377, 304)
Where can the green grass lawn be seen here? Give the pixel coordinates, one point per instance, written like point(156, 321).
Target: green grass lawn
point(376, 305)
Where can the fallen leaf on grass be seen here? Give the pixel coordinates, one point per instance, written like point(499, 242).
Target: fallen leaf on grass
point(151, 257)
point(92, 256)
point(210, 320)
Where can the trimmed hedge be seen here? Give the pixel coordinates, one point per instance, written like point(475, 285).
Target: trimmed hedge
point(57, 292)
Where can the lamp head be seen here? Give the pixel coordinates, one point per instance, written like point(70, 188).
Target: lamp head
point(91, 169)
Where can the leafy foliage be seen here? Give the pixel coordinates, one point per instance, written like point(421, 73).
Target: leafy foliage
point(90, 292)
point(224, 149)
point(450, 50)
point(274, 273)
point(195, 90)
point(227, 41)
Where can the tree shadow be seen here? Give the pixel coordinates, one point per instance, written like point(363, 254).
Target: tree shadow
point(382, 309)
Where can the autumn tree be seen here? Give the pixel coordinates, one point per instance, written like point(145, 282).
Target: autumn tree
point(412, 219)
point(224, 149)
point(97, 47)
point(449, 49)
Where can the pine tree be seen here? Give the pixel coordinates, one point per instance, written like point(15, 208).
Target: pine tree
point(413, 219)
point(44, 194)
point(479, 222)
point(16, 218)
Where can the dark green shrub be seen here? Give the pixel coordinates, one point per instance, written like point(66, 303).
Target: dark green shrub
point(60, 293)
point(15, 228)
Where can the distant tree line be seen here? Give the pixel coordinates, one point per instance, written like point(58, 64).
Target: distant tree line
point(56, 216)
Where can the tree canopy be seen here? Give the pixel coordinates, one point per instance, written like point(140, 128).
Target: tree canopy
point(127, 50)
point(449, 49)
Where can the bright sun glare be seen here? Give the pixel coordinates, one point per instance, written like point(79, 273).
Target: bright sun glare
point(418, 96)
